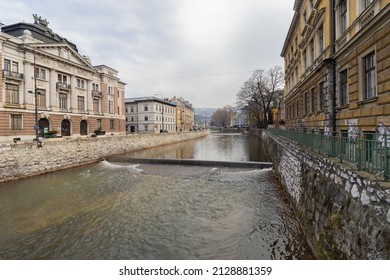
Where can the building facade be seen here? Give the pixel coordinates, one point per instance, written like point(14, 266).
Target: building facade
point(150, 115)
point(65, 95)
point(337, 67)
point(184, 114)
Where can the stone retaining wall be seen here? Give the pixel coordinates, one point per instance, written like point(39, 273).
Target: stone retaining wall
point(345, 213)
point(25, 159)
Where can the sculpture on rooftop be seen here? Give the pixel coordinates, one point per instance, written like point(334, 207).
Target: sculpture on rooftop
point(40, 21)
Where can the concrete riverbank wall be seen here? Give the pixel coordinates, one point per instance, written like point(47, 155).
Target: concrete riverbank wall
point(345, 213)
point(25, 159)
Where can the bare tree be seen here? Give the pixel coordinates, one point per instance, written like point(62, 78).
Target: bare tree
point(222, 117)
point(259, 91)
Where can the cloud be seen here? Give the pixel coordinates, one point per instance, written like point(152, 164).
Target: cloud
point(149, 40)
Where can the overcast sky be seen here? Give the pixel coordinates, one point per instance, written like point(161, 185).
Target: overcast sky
point(201, 50)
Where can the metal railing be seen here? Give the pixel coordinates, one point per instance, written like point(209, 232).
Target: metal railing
point(372, 156)
point(11, 74)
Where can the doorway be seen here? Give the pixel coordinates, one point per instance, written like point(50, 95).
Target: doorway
point(65, 128)
point(83, 127)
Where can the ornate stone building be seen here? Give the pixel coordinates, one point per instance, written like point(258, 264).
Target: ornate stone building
point(72, 97)
point(337, 66)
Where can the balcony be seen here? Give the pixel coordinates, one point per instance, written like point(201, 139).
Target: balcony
point(63, 86)
point(97, 94)
point(13, 75)
point(367, 16)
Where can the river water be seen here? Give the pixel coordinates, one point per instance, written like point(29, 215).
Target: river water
point(119, 211)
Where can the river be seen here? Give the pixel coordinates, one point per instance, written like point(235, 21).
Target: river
point(119, 211)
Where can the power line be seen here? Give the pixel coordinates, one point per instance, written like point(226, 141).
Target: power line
point(191, 76)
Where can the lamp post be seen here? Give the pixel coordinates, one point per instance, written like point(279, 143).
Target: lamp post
point(36, 126)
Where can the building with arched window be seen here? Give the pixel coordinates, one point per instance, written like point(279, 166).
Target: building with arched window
point(44, 71)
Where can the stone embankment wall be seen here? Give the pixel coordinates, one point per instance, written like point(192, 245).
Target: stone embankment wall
point(25, 159)
point(345, 214)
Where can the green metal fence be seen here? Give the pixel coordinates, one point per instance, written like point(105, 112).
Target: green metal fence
point(372, 156)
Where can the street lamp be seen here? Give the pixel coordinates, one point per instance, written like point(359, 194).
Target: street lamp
point(36, 126)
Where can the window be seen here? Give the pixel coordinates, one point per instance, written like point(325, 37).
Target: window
point(110, 107)
point(293, 111)
point(343, 88)
point(311, 5)
point(11, 68)
point(11, 94)
point(63, 79)
point(304, 60)
point(80, 103)
point(41, 98)
point(80, 83)
point(15, 67)
point(313, 99)
point(306, 101)
point(311, 46)
point(96, 105)
point(320, 36)
point(110, 90)
point(321, 96)
point(146, 127)
point(112, 126)
point(146, 108)
point(369, 76)
point(146, 118)
point(343, 15)
point(16, 122)
point(63, 101)
point(7, 65)
point(95, 87)
point(367, 3)
point(40, 73)
point(98, 123)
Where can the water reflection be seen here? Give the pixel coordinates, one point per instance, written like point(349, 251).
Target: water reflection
point(217, 146)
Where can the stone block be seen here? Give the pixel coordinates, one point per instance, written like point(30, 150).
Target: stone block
point(368, 121)
point(356, 113)
point(378, 110)
point(366, 112)
point(384, 98)
point(383, 76)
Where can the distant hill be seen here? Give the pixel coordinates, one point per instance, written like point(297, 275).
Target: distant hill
point(205, 111)
point(203, 115)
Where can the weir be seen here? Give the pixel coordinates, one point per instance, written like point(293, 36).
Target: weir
point(213, 163)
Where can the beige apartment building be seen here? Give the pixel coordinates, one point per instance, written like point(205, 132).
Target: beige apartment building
point(150, 115)
point(184, 114)
point(66, 93)
point(337, 67)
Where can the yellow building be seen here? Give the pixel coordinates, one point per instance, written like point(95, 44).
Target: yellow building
point(184, 114)
point(337, 66)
